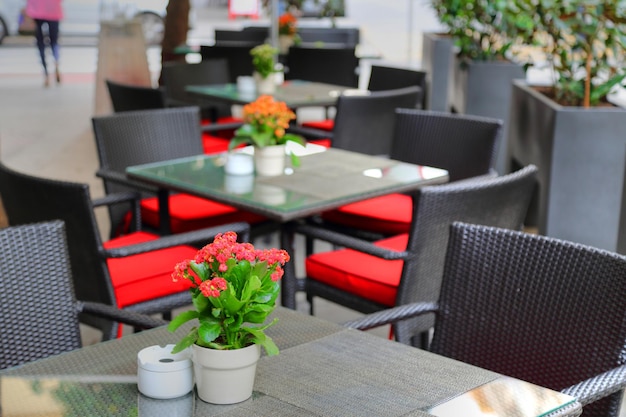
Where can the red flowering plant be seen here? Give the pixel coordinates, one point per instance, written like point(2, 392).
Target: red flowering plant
point(287, 24)
point(265, 123)
point(231, 284)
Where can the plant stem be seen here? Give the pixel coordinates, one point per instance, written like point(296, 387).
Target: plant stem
point(587, 98)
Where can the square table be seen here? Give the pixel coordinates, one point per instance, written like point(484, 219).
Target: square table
point(295, 93)
point(323, 369)
point(327, 178)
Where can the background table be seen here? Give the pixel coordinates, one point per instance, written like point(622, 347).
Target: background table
point(323, 369)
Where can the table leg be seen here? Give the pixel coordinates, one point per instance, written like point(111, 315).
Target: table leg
point(290, 283)
point(164, 211)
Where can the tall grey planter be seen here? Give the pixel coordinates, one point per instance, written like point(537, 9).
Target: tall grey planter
point(483, 88)
point(437, 57)
point(580, 154)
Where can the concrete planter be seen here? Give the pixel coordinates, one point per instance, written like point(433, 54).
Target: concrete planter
point(437, 58)
point(483, 88)
point(581, 158)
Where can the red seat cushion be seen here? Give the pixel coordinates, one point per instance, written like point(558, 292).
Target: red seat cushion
point(389, 214)
point(188, 213)
point(214, 144)
point(224, 134)
point(322, 142)
point(145, 276)
point(328, 124)
point(367, 276)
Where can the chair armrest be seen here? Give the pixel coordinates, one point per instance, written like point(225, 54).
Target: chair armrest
point(131, 197)
point(195, 238)
point(340, 239)
point(310, 133)
point(599, 386)
point(123, 316)
point(217, 127)
point(392, 315)
point(121, 178)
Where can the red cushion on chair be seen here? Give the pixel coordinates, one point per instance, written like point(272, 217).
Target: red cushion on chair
point(328, 124)
point(358, 273)
point(322, 142)
point(214, 144)
point(145, 276)
point(224, 134)
point(389, 214)
point(188, 213)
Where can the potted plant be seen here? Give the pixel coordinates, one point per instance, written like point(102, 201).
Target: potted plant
point(232, 284)
point(263, 61)
point(569, 129)
point(287, 31)
point(482, 68)
point(265, 123)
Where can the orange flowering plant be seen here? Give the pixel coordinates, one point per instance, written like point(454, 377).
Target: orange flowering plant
point(231, 284)
point(287, 24)
point(265, 123)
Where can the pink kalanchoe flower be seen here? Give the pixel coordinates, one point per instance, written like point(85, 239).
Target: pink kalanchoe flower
point(213, 288)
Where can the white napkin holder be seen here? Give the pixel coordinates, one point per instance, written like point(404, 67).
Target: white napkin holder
point(163, 375)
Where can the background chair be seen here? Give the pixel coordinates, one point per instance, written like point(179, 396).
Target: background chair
point(141, 137)
point(385, 78)
point(131, 272)
point(254, 35)
point(365, 123)
point(371, 276)
point(126, 97)
point(539, 309)
point(39, 315)
point(461, 144)
point(332, 65)
point(347, 37)
point(176, 76)
point(236, 54)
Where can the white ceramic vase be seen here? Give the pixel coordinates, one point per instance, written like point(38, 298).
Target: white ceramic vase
point(225, 376)
point(265, 85)
point(284, 43)
point(269, 161)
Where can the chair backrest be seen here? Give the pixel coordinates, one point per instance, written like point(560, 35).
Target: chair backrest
point(126, 97)
point(141, 137)
point(252, 35)
point(38, 313)
point(175, 76)
point(463, 145)
point(236, 54)
point(494, 201)
point(332, 65)
point(532, 307)
point(390, 78)
point(365, 123)
point(349, 37)
point(29, 199)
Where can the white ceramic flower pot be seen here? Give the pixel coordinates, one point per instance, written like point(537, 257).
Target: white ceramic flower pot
point(265, 85)
point(225, 376)
point(270, 160)
point(284, 43)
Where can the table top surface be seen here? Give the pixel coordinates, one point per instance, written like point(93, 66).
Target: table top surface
point(295, 93)
point(325, 179)
point(323, 369)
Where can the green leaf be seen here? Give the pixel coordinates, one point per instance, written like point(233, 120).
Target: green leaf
point(260, 338)
point(186, 341)
point(209, 330)
point(182, 318)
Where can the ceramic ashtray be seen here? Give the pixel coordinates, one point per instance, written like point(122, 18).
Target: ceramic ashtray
point(163, 375)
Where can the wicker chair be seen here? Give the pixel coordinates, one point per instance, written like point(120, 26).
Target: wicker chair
point(332, 65)
point(365, 123)
point(463, 145)
point(141, 137)
point(539, 309)
point(371, 276)
point(130, 272)
point(39, 315)
point(126, 97)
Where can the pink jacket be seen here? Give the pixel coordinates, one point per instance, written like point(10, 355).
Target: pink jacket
point(44, 9)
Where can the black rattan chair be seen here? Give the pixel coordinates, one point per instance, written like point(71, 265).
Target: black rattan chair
point(371, 276)
point(39, 312)
point(130, 272)
point(141, 137)
point(332, 65)
point(237, 54)
point(365, 123)
point(461, 144)
point(126, 97)
point(539, 309)
point(390, 78)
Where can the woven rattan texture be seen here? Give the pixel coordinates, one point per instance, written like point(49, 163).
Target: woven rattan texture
point(538, 309)
point(126, 97)
point(38, 315)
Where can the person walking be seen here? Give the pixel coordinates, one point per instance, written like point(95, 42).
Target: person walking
point(47, 13)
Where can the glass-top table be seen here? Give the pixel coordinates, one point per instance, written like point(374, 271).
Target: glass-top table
point(323, 369)
point(325, 180)
point(294, 93)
